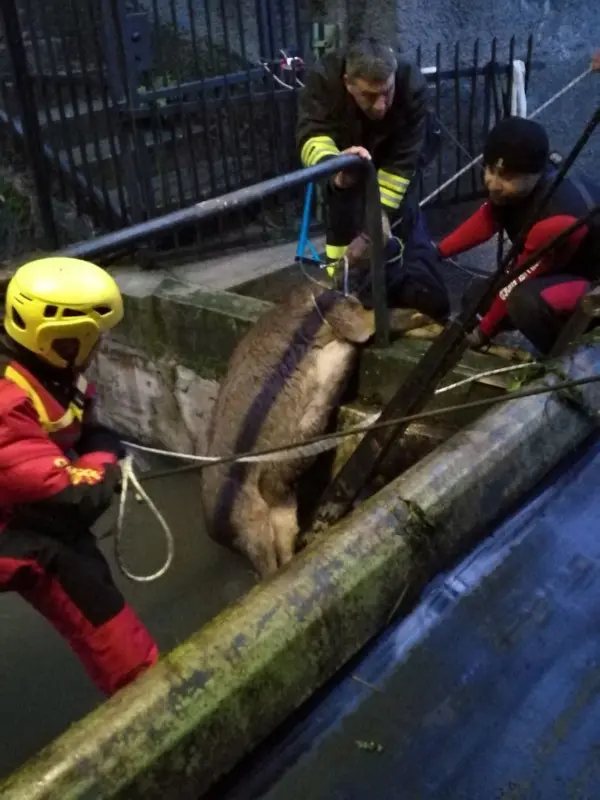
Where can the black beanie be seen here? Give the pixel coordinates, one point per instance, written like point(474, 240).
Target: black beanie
point(521, 143)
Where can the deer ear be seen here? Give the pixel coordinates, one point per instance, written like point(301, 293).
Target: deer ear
point(354, 323)
point(366, 328)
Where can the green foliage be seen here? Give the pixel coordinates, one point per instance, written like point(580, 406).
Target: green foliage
point(18, 228)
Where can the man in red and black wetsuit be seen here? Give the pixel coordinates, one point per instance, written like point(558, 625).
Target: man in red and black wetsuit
point(59, 469)
point(517, 174)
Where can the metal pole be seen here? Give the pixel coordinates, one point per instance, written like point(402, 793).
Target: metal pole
point(587, 310)
point(31, 127)
point(374, 230)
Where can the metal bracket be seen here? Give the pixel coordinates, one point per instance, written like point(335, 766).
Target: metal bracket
point(132, 32)
point(137, 42)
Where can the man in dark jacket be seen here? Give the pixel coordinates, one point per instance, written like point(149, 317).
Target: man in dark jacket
point(365, 101)
point(517, 174)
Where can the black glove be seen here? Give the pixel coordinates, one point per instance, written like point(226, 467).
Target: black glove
point(98, 438)
point(477, 339)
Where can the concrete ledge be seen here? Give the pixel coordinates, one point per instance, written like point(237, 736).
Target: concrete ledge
point(484, 468)
point(189, 720)
point(199, 329)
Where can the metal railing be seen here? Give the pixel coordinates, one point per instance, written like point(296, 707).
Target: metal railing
point(113, 243)
point(469, 97)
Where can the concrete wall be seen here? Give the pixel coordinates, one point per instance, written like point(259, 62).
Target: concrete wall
point(566, 33)
point(157, 402)
point(158, 375)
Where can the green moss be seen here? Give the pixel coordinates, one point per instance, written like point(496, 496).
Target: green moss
point(200, 329)
point(18, 230)
point(525, 376)
point(382, 371)
point(573, 395)
point(589, 338)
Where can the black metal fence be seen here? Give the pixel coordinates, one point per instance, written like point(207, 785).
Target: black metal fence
point(146, 107)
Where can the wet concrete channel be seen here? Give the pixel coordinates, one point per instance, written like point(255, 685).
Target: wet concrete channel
point(43, 689)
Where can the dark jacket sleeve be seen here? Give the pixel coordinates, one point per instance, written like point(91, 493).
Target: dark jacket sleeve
point(407, 138)
point(40, 483)
point(317, 124)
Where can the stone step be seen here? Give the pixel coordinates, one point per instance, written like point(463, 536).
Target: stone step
point(418, 441)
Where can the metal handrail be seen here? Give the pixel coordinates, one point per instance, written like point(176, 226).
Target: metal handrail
point(233, 201)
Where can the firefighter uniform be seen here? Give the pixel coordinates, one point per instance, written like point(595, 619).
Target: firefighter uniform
point(329, 121)
point(59, 469)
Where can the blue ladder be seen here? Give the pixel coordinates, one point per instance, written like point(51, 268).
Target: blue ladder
point(304, 240)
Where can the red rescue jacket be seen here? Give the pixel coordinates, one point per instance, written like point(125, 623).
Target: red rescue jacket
point(37, 478)
point(578, 256)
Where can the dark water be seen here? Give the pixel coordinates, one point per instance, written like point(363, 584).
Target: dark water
point(42, 687)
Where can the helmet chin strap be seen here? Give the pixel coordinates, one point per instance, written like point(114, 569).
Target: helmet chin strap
point(43, 369)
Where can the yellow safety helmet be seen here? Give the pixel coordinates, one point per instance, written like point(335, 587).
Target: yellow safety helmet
point(60, 298)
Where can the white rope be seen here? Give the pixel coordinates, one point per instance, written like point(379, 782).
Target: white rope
point(560, 93)
point(475, 161)
point(301, 450)
point(289, 64)
point(346, 275)
point(518, 97)
point(487, 374)
point(314, 448)
point(129, 477)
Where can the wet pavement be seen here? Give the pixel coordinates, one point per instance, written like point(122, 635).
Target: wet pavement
point(42, 687)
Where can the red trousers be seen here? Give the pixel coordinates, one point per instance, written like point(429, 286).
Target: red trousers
point(69, 582)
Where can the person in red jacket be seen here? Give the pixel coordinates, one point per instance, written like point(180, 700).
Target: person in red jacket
point(517, 173)
point(59, 468)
